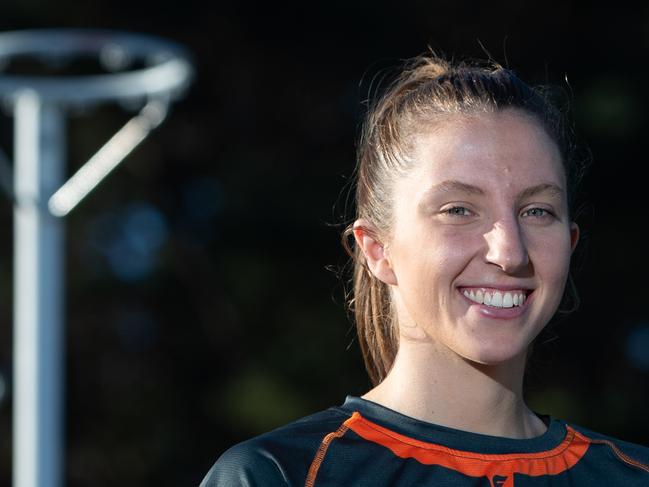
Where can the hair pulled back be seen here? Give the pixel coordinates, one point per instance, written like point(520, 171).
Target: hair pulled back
point(428, 90)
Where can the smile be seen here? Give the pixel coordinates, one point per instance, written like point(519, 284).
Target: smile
point(496, 298)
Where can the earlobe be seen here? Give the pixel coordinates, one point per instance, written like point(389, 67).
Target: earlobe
point(375, 252)
point(574, 235)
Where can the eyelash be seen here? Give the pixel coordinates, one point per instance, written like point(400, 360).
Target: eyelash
point(547, 212)
point(451, 211)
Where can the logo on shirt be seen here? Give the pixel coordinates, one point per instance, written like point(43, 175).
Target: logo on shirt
point(499, 481)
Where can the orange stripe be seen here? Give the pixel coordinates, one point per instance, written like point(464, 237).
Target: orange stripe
point(322, 451)
point(550, 462)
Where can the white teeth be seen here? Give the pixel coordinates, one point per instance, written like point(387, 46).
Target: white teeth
point(496, 299)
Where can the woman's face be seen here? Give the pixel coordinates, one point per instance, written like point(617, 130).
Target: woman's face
point(481, 239)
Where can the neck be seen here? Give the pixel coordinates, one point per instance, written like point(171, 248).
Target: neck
point(430, 383)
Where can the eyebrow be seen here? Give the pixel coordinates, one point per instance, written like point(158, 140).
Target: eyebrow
point(553, 189)
point(458, 186)
point(455, 186)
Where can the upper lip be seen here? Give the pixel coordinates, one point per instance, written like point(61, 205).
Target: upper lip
point(502, 287)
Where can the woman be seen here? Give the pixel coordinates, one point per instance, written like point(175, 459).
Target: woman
point(464, 233)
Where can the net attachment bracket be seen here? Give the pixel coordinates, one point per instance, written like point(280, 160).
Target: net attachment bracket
point(90, 174)
point(163, 75)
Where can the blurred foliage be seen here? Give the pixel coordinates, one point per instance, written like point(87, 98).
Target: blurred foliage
point(200, 310)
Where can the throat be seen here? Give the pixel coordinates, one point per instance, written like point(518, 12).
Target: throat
point(458, 394)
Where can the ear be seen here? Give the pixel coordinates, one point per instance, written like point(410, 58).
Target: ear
point(375, 251)
point(574, 235)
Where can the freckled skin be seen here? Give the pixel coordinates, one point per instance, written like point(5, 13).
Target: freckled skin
point(431, 253)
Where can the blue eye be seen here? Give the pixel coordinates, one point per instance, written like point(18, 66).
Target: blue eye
point(538, 212)
point(458, 211)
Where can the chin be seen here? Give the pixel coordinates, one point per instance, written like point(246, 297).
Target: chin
point(496, 353)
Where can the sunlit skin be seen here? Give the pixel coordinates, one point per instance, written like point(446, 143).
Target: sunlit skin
point(483, 205)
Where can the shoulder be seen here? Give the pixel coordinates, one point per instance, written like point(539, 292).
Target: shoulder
point(277, 458)
point(625, 450)
point(246, 464)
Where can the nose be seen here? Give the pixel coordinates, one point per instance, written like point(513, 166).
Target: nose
point(506, 246)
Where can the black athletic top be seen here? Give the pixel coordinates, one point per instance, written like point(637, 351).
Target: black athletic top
point(364, 444)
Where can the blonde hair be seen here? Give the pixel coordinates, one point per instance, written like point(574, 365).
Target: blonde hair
point(428, 90)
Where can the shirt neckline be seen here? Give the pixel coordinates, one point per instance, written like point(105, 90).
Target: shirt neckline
point(455, 438)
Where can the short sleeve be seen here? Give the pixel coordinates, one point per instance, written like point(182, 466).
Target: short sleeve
point(245, 465)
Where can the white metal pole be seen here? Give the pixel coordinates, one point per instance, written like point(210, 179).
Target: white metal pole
point(39, 148)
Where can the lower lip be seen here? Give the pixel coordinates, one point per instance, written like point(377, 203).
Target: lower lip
point(500, 313)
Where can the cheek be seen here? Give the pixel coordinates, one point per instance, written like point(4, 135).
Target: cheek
point(457, 249)
point(427, 267)
point(550, 255)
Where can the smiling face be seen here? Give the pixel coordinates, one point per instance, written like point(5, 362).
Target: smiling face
point(480, 244)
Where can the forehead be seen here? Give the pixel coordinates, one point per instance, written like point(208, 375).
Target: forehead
point(493, 151)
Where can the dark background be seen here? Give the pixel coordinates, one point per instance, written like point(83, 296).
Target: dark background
point(200, 307)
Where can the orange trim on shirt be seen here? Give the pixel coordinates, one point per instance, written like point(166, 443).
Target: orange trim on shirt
point(322, 451)
point(550, 462)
